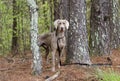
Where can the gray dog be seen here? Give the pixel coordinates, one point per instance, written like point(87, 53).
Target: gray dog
point(55, 41)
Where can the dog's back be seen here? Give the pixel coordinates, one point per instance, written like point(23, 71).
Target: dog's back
point(44, 39)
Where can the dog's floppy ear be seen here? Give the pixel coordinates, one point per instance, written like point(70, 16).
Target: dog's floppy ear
point(56, 23)
point(67, 24)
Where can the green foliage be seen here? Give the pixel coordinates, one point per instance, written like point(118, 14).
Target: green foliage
point(45, 21)
point(5, 27)
point(23, 23)
point(6, 22)
point(109, 75)
point(44, 16)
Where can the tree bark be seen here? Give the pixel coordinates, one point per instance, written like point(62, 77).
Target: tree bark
point(56, 9)
point(14, 37)
point(37, 58)
point(115, 32)
point(77, 34)
point(64, 9)
point(61, 9)
point(51, 15)
point(100, 27)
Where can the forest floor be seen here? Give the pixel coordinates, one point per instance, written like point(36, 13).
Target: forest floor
point(19, 69)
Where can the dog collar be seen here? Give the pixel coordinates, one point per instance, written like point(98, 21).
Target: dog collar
point(61, 37)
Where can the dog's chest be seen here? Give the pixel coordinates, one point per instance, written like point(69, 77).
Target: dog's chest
point(61, 42)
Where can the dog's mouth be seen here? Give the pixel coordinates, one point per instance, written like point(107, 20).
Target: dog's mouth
point(62, 30)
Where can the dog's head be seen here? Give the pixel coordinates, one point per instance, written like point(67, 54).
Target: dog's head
point(61, 25)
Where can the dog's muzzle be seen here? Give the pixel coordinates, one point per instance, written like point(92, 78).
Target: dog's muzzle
point(62, 29)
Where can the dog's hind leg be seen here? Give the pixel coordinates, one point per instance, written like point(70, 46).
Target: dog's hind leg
point(47, 53)
point(53, 60)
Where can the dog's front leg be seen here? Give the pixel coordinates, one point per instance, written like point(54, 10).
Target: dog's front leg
point(63, 52)
point(53, 60)
point(59, 58)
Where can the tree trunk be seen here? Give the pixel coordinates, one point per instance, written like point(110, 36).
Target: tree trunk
point(56, 9)
point(100, 27)
point(51, 15)
point(64, 9)
point(37, 58)
point(61, 9)
point(77, 33)
point(115, 32)
point(15, 36)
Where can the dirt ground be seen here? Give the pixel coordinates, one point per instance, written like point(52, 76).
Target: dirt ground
point(19, 69)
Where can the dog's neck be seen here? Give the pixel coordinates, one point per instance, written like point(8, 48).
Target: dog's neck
point(60, 35)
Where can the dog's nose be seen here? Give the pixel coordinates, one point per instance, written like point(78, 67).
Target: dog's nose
point(61, 28)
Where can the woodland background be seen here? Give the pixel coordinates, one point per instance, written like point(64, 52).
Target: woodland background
point(15, 22)
point(99, 35)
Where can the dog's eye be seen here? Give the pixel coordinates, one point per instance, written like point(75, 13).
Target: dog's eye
point(59, 23)
point(63, 23)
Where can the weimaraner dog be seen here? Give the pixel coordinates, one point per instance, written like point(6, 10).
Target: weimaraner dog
point(55, 41)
